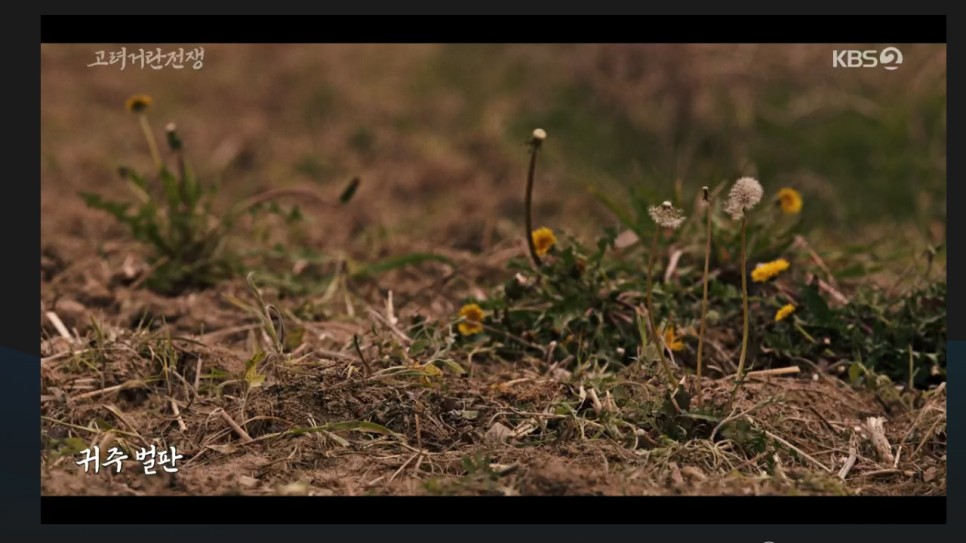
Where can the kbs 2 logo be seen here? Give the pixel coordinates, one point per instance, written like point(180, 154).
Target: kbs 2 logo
point(889, 58)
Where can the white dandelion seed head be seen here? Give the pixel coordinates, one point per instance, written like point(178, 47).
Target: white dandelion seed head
point(539, 134)
point(666, 216)
point(744, 195)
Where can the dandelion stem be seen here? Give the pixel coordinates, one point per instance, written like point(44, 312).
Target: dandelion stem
point(182, 174)
point(650, 309)
point(704, 299)
point(912, 371)
point(146, 128)
point(528, 204)
point(805, 334)
point(744, 303)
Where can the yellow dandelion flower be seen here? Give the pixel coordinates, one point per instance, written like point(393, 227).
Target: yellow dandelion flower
point(469, 328)
point(785, 311)
point(138, 103)
point(766, 271)
point(673, 342)
point(472, 320)
point(790, 200)
point(543, 240)
point(472, 312)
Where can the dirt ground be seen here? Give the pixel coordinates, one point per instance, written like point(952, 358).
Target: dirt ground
point(345, 418)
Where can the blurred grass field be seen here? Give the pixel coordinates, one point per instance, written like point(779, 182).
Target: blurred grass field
point(437, 131)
